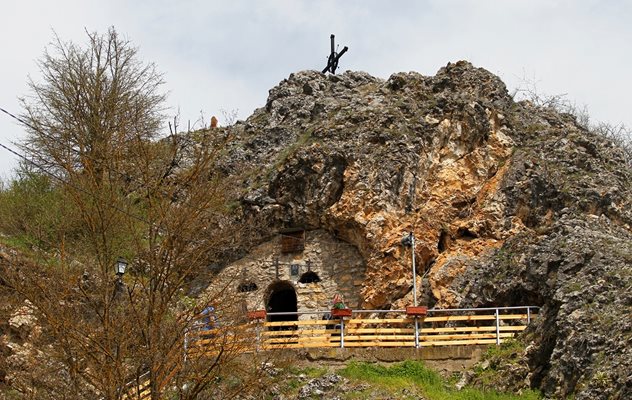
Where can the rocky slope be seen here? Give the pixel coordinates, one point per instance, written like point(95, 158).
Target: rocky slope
point(510, 204)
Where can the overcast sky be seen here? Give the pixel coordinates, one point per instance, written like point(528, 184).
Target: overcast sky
point(226, 55)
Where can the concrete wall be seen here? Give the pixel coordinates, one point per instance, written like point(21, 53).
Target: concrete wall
point(442, 358)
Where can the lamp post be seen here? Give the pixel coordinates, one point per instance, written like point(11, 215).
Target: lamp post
point(120, 266)
point(409, 241)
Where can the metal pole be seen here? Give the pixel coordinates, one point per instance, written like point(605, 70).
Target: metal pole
point(414, 272)
point(342, 333)
point(497, 327)
point(416, 332)
point(430, 310)
point(332, 43)
point(528, 315)
point(451, 310)
point(415, 291)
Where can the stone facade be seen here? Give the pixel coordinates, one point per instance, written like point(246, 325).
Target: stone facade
point(337, 264)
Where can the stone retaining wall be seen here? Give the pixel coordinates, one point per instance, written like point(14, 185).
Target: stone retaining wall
point(338, 264)
point(443, 358)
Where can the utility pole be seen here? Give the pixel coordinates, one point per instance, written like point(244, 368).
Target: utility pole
point(409, 241)
point(414, 272)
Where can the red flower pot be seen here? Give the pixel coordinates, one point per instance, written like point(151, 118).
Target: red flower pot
point(340, 312)
point(417, 311)
point(257, 314)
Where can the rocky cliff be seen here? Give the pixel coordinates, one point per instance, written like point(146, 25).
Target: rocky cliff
point(511, 204)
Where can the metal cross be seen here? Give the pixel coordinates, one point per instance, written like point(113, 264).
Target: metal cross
point(332, 62)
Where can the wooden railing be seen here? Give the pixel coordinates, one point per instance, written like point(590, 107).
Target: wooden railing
point(441, 327)
point(446, 327)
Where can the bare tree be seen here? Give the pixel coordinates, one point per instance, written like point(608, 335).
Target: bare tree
point(619, 134)
point(229, 117)
point(92, 124)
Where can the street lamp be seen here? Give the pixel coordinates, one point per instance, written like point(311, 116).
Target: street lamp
point(121, 265)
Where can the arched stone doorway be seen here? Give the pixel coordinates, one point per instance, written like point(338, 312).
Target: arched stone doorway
point(281, 298)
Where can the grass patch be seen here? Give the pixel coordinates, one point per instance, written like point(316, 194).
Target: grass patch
point(507, 350)
point(414, 376)
point(404, 373)
point(23, 243)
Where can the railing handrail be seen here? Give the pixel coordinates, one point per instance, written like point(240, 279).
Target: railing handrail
point(430, 310)
point(477, 335)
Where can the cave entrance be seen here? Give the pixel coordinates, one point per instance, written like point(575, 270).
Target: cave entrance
point(281, 298)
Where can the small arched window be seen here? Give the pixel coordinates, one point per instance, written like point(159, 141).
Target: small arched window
point(246, 287)
point(309, 277)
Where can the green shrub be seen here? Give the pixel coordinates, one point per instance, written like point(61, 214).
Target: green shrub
point(31, 209)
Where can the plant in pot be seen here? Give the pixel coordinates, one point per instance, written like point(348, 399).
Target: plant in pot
point(339, 309)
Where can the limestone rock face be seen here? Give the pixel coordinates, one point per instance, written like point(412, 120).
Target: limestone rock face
point(511, 204)
point(579, 271)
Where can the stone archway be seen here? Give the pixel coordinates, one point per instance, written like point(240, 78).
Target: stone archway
point(281, 298)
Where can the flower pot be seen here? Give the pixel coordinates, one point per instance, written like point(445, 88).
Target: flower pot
point(340, 312)
point(417, 311)
point(257, 314)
